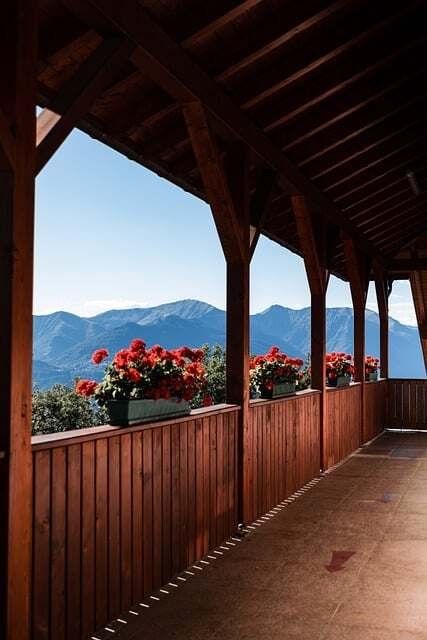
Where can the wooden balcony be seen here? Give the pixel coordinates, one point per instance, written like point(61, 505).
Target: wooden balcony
point(120, 514)
point(299, 121)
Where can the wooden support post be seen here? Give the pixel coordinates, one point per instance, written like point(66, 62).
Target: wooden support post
point(17, 180)
point(313, 245)
point(226, 185)
point(382, 291)
point(358, 267)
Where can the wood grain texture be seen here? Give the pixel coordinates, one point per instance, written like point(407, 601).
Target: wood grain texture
point(375, 409)
point(285, 449)
point(117, 516)
point(407, 404)
point(343, 422)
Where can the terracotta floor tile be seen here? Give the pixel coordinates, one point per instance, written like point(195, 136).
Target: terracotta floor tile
point(346, 561)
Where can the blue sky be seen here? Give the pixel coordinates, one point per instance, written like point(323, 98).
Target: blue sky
point(111, 234)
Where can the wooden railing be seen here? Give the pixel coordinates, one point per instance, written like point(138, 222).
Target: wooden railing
point(341, 431)
point(407, 404)
point(284, 449)
point(118, 512)
point(375, 409)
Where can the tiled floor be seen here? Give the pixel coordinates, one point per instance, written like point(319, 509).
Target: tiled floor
point(346, 561)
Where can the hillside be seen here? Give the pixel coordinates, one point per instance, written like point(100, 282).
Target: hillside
point(63, 342)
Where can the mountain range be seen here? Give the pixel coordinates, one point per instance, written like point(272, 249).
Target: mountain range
point(64, 342)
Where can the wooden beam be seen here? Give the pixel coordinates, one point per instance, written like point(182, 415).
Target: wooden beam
point(259, 205)
point(205, 32)
point(382, 291)
point(73, 101)
point(171, 67)
point(215, 181)
point(7, 139)
point(420, 305)
point(16, 289)
point(285, 38)
point(400, 264)
point(314, 264)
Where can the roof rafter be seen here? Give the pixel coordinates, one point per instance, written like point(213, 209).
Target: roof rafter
point(175, 71)
point(58, 119)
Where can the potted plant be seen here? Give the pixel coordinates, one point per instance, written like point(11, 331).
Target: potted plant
point(274, 374)
point(142, 385)
point(371, 368)
point(339, 369)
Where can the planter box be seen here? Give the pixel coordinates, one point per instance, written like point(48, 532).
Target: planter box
point(341, 381)
point(372, 377)
point(124, 413)
point(279, 390)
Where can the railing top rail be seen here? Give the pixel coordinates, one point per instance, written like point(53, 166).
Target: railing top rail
point(345, 388)
point(64, 438)
point(307, 392)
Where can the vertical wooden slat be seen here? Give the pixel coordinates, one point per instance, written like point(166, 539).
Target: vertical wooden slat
point(220, 478)
point(88, 538)
point(176, 520)
point(42, 534)
point(147, 456)
point(213, 481)
point(166, 503)
point(114, 548)
point(126, 509)
point(137, 519)
point(157, 508)
point(58, 542)
point(101, 532)
point(185, 558)
point(74, 551)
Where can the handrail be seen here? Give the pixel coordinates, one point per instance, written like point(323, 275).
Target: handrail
point(63, 438)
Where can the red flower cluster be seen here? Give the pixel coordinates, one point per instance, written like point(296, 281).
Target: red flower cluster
point(138, 372)
point(99, 355)
point(371, 365)
point(338, 364)
point(272, 368)
point(86, 387)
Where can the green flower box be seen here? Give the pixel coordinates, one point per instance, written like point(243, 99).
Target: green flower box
point(279, 390)
point(125, 413)
point(340, 381)
point(372, 377)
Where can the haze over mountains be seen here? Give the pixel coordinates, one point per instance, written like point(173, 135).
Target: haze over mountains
point(63, 342)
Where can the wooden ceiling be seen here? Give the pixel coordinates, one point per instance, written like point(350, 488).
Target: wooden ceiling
point(329, 96)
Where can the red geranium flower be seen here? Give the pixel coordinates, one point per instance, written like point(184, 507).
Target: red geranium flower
point(137, 345)
point(86, 387)
point(99, 355)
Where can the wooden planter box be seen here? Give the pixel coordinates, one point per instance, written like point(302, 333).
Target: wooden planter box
point(341, 381)
point(279, 390)
point(124, 413)
point(372, 377)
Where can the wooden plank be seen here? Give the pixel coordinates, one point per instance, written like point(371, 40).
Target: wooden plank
point(42, 534)
point(183, 490)
point(147, 453)
point(101, 532)
point(7, 139)
point(137, 519)
point(200, 502)
point(126, 510)
point(74, 549)
point(166, 504)
point(114, 592)
point(176, 503)
point(88, 538)
point(58, 541)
